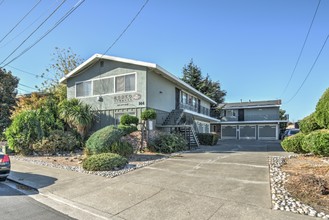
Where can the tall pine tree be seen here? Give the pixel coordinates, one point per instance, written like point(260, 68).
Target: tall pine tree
point(192, 75)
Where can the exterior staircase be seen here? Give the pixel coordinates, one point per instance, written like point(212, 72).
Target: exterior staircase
point(174, 117)
point(174, 122)
point(189, 133)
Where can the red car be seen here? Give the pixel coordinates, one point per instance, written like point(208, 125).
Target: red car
point(4, 166)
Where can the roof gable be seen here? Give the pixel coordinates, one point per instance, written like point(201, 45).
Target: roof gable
point(95, 58)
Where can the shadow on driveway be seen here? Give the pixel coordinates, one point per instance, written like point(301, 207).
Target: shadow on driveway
point(231, 146)
point(35, 181)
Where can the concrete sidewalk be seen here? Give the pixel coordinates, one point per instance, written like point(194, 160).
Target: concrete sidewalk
point(227, 181)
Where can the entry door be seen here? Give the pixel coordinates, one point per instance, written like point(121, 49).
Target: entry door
point(177, 98)
point(241, 115)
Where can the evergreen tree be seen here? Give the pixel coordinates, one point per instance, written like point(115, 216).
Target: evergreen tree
point(192, 75)
point(8, 92)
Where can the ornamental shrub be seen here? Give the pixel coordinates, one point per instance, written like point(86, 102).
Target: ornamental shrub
point(124, 149)
point(128, 120)
point(57, 141)
point(167, 143)
point(309, 124)
point(322, 110)
point(24, 131)
point(208, 138)
point(149, 114)
point(102, 140)
point(294, 143)
point(317, 142)
point(127, 129)
point(104, 162)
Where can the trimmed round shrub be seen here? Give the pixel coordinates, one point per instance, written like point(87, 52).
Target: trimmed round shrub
point(317, 142)
point(104, 162)
point(102, 140)
point(322, 110)
point(149, 114)
point(309, 124)
point(127, 129)
point(294, 143)
point(128, 120)
point(124, 149)
point(168, 143)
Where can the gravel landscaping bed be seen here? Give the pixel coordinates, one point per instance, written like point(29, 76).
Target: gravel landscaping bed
point(281, 199)
point(129, 167)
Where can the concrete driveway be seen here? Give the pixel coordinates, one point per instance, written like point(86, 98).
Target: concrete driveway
point(226, 181)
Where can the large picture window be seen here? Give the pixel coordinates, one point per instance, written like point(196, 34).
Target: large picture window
point(83, 89)
point(109, 85)
point(103, 86)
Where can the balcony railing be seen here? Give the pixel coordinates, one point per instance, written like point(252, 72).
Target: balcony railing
point(203, 110)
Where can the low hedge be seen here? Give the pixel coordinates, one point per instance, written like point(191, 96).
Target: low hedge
point(294, 143)
point(104, 162)
point(208, 138)
point(167, 143)
point(317, 142)
point(102, 140)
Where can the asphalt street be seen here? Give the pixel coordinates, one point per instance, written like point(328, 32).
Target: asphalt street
point(16, 205)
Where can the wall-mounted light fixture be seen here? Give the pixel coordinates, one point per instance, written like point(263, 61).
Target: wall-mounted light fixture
point(160, 92)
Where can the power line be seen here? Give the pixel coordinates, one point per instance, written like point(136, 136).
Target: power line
point(309, 73)
point(28, 26)
point(24, 71)
point(48, 32)
point(301, 51)
point(122, 33)
point(26, 86)
point(35, 30)
point(24, 90)
point(21, 19)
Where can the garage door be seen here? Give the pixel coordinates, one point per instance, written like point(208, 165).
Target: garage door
point(247, 132)
point(229, 132)
point(267, 132)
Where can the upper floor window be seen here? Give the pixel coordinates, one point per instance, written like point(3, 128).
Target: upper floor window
point(83, 89)
point(108, 85)
point(230, 113)
point(125, 83)
point(103, 86)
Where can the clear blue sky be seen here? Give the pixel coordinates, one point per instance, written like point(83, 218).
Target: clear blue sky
point(250, 47)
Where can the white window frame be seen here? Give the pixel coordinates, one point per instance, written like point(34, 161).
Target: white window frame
point(125, 81)
point(114, 86)
point(92, 86)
